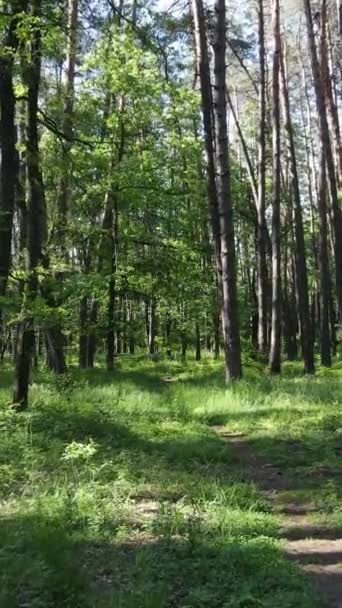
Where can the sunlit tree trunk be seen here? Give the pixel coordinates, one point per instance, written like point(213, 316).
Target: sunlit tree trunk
point(262, 274)
point(68, 122)
point(197, 342)
point(275, 352)
point(152, 326)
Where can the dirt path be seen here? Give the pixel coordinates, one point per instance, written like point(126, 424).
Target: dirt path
point(316, 548)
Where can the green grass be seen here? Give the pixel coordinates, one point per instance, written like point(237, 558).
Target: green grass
point(116, 493)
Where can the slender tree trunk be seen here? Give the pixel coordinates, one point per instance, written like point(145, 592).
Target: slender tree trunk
point(112, 240)
point(229, 309)
point(300, 252)
point(152, 327)
point(275, 352)
point(83, 341)
point(289, 301)
point(184, 345)
point(198, 342)
point(339, 16)
point(332, 317)
point(68, 123)
point(324, 270)
point(36, 216)
point(8, 168)
point(216, 324)
point(325, 138)
point(262, 274)
point(203, 68)
point(168, 326)
point(110, 335)
point(131, 318)
point(92, 338)
point(125, 325)
point(9, 165)
point(332, 110)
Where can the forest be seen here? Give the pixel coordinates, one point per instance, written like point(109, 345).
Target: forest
point(170, 304)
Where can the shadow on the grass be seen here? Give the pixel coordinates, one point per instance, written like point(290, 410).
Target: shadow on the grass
point(200, 454)
point(45, 562)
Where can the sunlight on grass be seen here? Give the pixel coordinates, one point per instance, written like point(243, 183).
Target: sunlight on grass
point(115, 491)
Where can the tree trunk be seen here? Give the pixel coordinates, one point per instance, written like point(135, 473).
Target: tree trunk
point(92, 338)
point(131, 339)
point(152, 327)
point(198, 342)
point(203, 69)
point(332, 317)
point(36, 217)
point(68, 122)
point(339, 16)
point(83, 341)
point(184, 345)
point(168, 326)
point(262, 274)
point(229, 308)
point(289, 305)
point(9, 165)
point(332, 109)
point(300, 252)
point(325, 138)
point(216, 321)
point(275, 352)
point(324, 270)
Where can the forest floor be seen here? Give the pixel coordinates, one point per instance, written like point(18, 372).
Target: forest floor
point(158, 487)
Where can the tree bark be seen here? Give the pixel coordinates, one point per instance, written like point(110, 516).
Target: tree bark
point(152, 327)
point(324, 271)
point(83, 340)
point(275, 352)
point(198, 342)
point(339, 16)
point(68, 122)
point(36, 217)
point(229, 308)
point(9, 165)
point(325, 138)
point(262, 274)
point(112, 240)
point(300, 252)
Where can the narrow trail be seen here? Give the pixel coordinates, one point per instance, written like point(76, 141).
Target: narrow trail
point(317, 549)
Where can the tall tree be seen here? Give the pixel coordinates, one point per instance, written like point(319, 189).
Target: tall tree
point(325, 140)
point(300, 252)
point(229, 310)
point(9, 166)
point(262, 274)
point(68, 117)
point(339, 16)
point(216, 141)
point(324, 270)
point(36, 210)
point(275, 352)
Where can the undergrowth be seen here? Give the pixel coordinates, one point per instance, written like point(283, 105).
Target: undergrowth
point(117, 493)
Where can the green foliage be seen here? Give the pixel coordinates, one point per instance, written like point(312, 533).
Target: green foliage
point(115, 492)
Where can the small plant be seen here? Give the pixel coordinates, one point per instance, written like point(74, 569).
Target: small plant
point(65, 384)
point(76, 451)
